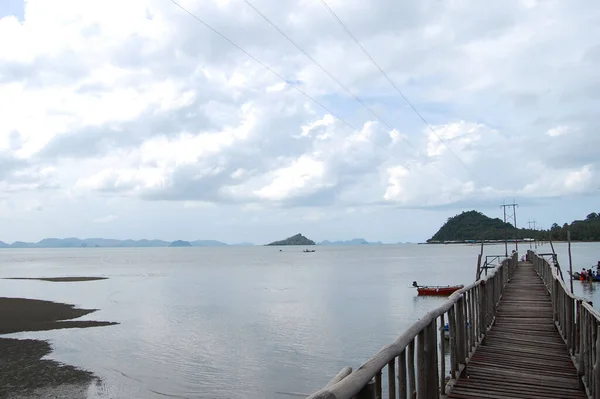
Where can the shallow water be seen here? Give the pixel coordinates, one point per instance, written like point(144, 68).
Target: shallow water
point(240, 322)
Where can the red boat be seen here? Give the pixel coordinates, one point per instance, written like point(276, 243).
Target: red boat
point(436, 289)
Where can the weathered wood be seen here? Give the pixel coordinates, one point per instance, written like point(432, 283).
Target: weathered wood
point(523, 355)
point(378, 387)
point(367, 392)
point(434, 380)
point(345, 372)
point(392, 379)
point(442, 356)
point(597, 363)
point(402, 383)
point(421, 365)
point(411, 370)
point(452, 339)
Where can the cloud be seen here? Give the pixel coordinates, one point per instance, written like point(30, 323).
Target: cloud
point(106, 219)
point(141, 104)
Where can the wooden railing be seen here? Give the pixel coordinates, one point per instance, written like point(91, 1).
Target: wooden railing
point(578, 323)
point(416, 362)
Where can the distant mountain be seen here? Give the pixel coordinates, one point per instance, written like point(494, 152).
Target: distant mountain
point(73, 242)
point(180, 243)
point(207, 243)
point(243, 244)
point(354, 241)
point(297, 239)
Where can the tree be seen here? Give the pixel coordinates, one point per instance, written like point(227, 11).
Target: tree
point(592, 216)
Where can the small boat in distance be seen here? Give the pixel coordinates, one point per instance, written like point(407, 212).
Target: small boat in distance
point(436, 289)
point(309, 250)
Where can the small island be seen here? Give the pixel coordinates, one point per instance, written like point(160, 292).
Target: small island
point(297, 239)
point(180, 243)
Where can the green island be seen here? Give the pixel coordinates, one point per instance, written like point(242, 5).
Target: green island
point(474, 226)
point(297, 239)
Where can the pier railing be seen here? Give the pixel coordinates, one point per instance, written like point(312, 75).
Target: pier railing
point(415, 364)
point(578, 323)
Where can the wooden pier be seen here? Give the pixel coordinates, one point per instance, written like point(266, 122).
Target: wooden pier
point(517, 333)
point(523, 355)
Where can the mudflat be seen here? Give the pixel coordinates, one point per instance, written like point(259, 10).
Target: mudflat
point(23, 372)
point(58, 279)
point(21, 314)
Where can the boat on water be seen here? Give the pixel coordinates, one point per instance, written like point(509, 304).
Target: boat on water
point(577, 276)
point(309, 250)
point(439, 290)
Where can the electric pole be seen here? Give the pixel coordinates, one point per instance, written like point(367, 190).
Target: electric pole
point(507, 218)
point(530, 222)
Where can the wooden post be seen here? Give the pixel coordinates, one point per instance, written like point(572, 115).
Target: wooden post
point(392, 378)
point(478, 272)
point(570, 261)
point(453, 351)
point(378, 388)
point(597, 365)
point(368, 392)
point(442, 356)
point(422, 365)
point(411, 369)
point(434, 382)
point(402, 384)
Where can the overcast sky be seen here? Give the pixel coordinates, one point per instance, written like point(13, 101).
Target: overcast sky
point(131, 119)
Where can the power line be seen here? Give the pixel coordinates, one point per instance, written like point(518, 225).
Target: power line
point(359, 100)
point(284, 79)
point(392, 83)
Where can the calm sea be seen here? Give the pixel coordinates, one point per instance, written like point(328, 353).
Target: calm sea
point(241, 322)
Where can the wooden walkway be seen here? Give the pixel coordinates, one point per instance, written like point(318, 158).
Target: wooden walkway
point(523, 355)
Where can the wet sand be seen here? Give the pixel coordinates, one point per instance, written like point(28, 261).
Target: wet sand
point(58, 279)
point(23, 372)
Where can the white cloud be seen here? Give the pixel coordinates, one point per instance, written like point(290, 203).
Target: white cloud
point(558, 131)
point(139, 106)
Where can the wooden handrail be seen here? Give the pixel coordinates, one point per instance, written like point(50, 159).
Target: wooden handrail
point(470, 312)
point(577, 322)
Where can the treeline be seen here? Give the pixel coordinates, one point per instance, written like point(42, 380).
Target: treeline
point(581, 230)
point(475, 226)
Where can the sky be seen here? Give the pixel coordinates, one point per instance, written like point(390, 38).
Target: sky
point(136, 120)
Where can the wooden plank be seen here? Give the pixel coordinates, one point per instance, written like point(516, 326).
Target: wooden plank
point(524, 355)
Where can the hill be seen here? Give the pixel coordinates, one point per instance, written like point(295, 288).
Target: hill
point(180, 243)
point(472, 226)
point(297, 239)
point(354, 241)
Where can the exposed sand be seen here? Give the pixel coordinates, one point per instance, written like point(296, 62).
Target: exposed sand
point(58, 279)
point(23, 372)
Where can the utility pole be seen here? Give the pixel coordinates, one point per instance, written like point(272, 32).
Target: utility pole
point(505, 231)
point(530, 222)
point(508, 217)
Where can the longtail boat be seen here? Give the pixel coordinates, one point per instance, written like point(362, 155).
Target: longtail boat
point(436, 289)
